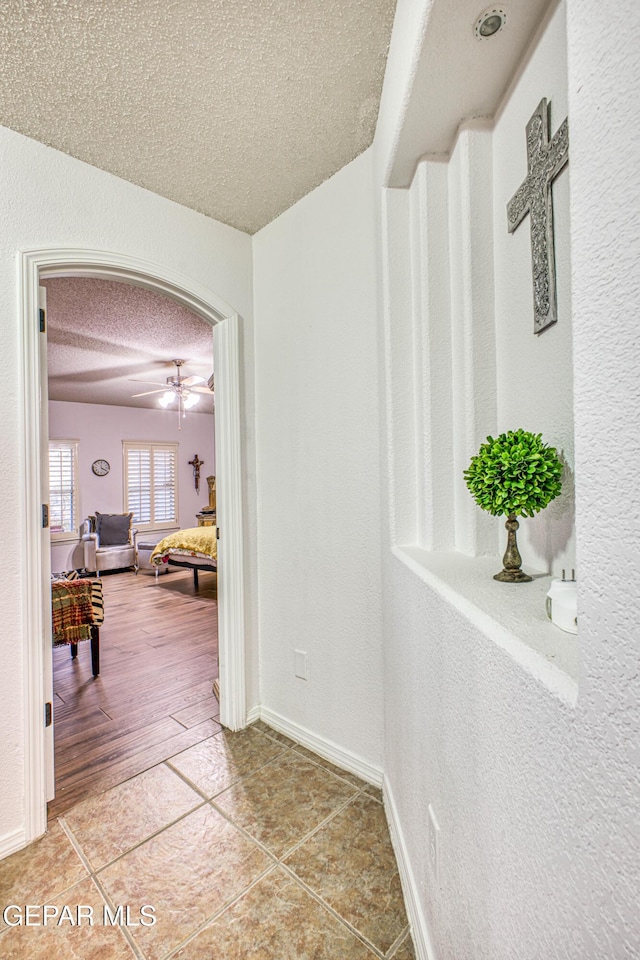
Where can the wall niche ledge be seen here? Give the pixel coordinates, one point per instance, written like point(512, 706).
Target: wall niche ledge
point(513, 616)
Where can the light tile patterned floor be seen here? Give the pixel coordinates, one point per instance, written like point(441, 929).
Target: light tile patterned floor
point(248, 847)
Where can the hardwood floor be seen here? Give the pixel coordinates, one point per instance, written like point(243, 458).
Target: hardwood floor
point(153, 698)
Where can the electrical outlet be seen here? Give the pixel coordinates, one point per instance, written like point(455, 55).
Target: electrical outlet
point(434, 844)
point(301, 664)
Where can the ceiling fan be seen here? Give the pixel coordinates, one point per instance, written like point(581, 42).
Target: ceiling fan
point(186, 390)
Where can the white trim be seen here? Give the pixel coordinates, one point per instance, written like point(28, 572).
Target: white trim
point(324, 748)
point(12, 842)
point(33, 565)
point(422, 940)
point(71, 262)
point(106, 265)
point(253, 715)
point(231, 619)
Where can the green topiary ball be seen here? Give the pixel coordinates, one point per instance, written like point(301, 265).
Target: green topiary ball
point(514, 474)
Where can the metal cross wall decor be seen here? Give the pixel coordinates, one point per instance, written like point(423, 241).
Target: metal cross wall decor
point(545, 160)
point(196, 463)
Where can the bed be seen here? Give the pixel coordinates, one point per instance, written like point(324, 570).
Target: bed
point(195, 548)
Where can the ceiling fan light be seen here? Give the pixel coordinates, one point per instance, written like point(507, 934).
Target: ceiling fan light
point(166, 398)
point(191, 399)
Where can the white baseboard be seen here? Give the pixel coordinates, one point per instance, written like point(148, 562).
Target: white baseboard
point(12, 842)
point(253, 715)
point(420, 933)
point(324, 748)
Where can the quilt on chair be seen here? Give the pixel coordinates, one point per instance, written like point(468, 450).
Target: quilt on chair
point(76, 606)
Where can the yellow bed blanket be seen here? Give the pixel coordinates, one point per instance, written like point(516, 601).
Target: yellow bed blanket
point(192, 542)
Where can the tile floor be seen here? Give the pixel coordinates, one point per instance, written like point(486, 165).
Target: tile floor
point(247, 846)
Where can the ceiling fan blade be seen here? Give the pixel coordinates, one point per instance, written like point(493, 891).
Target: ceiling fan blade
point(201, 390)
point(147, 392)
point(151, 383)
point(190, 381)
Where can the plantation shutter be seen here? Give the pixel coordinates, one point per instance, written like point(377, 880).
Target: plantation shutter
point(139, 484)
point(164, 485)
point(151, 483)
point(62, 492)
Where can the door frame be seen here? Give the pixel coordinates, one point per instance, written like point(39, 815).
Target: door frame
point(34, 266)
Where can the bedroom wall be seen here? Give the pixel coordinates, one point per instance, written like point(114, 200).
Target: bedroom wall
point(318, 464)
point(100, 430)
point(48, 199)
point(536, 797)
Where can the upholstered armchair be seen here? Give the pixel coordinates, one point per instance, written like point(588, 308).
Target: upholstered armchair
point(109, 542)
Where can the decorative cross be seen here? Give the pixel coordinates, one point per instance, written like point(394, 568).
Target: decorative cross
point(196, 464)
point(545, 160)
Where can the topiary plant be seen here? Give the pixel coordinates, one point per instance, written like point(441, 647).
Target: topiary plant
point(514, 475)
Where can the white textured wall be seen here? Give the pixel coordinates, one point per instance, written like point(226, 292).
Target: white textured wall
point(48, 199)
point(100, 430)
point(318, 466)
point(604, 90)
point(538, 801)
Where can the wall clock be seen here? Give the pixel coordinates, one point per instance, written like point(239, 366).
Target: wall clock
point(100, 467)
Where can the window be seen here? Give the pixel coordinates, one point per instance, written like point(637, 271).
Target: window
point(63, 489)
point(151, 484)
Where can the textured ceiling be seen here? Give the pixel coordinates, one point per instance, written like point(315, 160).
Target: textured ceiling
point(235, 108)
point(101, 334)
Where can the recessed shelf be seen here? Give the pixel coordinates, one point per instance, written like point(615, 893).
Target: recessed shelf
point(513, 616)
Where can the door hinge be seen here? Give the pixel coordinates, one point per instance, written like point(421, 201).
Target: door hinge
point(45, 515)
point(48, 714)
point(43, 320)
point(217, 533)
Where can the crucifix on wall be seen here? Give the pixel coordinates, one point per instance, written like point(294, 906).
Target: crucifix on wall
point(545, 160)
point(196, 464)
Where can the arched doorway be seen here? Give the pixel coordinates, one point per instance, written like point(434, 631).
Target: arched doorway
point(66, 262)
